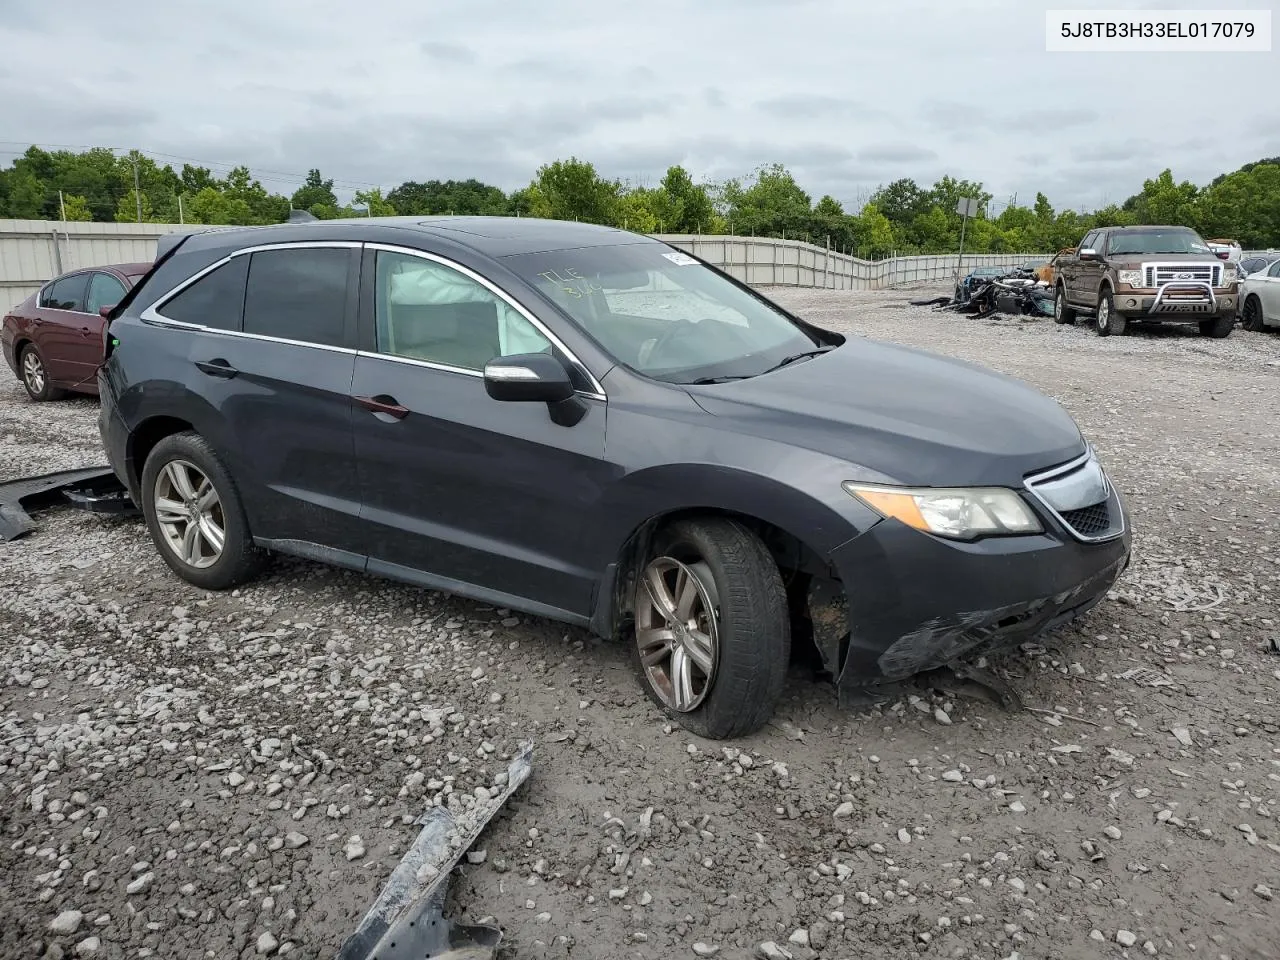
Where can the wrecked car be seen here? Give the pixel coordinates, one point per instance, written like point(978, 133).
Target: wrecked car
point(590, 425)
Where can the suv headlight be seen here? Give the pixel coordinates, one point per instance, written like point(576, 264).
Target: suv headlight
point(1132, 277)
point(1228, 277)
point(961, 513)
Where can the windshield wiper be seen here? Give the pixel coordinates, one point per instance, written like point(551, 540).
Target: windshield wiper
point(797, 356)
point(701, 381)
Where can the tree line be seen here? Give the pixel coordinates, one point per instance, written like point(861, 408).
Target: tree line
point(901, 217)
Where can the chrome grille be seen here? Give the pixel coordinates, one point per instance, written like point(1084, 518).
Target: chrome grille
point(1157, 274)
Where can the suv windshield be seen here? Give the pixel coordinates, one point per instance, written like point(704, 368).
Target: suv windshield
point(664, 314)
point(1156, 241)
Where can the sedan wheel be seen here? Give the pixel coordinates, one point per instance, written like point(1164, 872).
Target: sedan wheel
point(1251, 318)
point(190, 514)
point(712, 627)
point(676, 631)
point(35, 376)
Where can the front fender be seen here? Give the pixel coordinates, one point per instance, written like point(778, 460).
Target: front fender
point(816, 511)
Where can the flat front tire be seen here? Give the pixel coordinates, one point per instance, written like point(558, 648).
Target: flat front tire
point(712, 637)
point(194, 514)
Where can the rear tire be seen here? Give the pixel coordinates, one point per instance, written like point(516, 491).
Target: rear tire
point(1251, 315)
point(1218, 327)
point(1106, 320)
point(35, 375)
point(711, 587)
point(1061, 312)
point(195, 516)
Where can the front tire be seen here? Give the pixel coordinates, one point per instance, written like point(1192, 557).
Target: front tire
point(1107, 321)
point(194, 514)
point(712, 637)
point(1218, 327)
point(35, 376)
point(1061, 312)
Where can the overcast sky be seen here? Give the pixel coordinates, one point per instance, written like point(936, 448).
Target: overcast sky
point(847, 93)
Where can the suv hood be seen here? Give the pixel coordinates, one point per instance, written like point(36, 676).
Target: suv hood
point(910, 416)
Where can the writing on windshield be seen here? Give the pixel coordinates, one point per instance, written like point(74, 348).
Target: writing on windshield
point(570, 281)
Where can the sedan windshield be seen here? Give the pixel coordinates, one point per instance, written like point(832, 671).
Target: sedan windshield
point(664, 314)
point(1156, 241)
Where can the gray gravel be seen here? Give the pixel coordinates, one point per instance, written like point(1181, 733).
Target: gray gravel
point(188, 774)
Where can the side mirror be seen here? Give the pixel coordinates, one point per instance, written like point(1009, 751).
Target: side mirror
point(536, 377)
point(528, 377)
point(106, 311)
point(1088, 253)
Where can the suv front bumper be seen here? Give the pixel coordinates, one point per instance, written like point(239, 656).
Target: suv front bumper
point(915, 602)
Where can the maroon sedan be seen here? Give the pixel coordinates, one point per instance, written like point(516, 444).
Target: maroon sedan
point(53, 340)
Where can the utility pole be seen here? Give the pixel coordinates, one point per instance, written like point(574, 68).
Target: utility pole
point(62, 206)
point(181, 221)
point(137, 191)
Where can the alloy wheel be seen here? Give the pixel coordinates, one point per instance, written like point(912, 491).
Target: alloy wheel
point(189, 514)
point(1104, 314)
point(1057, 305)
point(677, 632)
point(33, 371)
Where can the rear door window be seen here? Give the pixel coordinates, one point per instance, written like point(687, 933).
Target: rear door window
point(65, 294)
point(104, 291)
point(299, 294)
point(215, 300)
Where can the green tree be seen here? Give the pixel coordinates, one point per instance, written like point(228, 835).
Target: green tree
point(457, 197)
point(27, 196)
point(127, 209)
point(1162, 201)
point(572, 190)
point(76, 207)
point(770, 203)
point(873, 233)
point(315, 192)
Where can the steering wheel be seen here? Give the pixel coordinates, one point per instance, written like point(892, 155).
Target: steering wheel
point(679, 329)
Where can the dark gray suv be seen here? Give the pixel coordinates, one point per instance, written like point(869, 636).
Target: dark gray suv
point(590, 425)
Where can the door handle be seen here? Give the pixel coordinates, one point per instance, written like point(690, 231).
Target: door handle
point(383, 404)
point(217, 368)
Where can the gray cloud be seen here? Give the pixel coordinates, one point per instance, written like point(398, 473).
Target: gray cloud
point(896, 153)
point(816, 106)
point(492, 89)
point(447, 52)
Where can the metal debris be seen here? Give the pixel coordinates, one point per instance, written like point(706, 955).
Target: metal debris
point(89, 488)
point(407, 920)
point(1145, 677)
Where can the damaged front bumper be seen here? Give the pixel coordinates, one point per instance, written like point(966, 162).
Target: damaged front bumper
point(907, 602)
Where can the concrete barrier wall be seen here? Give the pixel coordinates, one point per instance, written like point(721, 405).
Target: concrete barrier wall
point(33, 251)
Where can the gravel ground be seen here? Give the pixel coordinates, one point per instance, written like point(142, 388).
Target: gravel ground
point(186, 774)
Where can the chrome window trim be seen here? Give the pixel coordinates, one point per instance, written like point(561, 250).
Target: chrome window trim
point(1031, 480)
point(598, 392)
point(152, 314)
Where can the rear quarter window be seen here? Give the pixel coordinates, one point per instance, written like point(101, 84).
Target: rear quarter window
point(215, 300)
